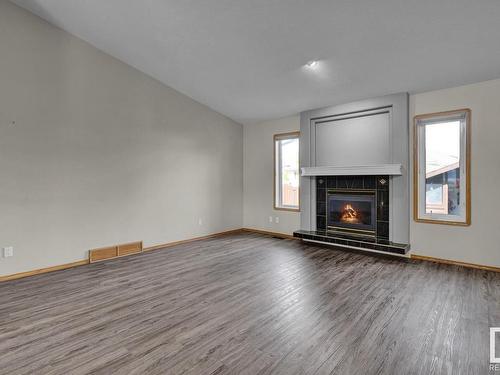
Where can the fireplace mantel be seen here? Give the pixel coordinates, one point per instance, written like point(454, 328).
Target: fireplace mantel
point(363, 170)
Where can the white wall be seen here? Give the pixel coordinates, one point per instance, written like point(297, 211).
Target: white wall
point(479, 243)
point(259, 174)
point(102, 154)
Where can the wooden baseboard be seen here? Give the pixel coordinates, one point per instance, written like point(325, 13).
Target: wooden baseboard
point(43, 270)
point(274, 234)
point(454, 262)
point(86, 261)
point(234, 231)
point(174, 243)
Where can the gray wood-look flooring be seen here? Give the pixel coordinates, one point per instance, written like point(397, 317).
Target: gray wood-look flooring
point(250, 304)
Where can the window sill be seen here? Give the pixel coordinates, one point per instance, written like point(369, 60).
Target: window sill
point(287, 209)
point(443, 222)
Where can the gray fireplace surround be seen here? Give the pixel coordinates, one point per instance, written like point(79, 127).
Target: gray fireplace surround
point(368, 137)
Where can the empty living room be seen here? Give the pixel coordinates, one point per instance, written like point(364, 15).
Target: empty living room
point(249, 187)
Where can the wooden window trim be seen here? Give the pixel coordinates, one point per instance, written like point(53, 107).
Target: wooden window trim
point(275, 138)
point(416, 119)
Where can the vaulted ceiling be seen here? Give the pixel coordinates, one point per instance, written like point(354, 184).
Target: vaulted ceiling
point(245, 58)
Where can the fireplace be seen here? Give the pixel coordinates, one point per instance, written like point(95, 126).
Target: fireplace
point(353, 205)
point(354, 185)
point(351, 211)
point(354, 211)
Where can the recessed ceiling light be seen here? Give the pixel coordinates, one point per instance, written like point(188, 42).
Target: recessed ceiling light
point(312, 64)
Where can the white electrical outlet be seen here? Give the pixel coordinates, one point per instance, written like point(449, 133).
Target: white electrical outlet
point(270, 219)
point(8, 251)
point(276, 219)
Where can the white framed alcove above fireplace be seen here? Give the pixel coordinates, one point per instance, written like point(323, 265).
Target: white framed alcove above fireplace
point(369, 137)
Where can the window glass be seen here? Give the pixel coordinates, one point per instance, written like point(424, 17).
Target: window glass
point(287, 171)
point(441, 169)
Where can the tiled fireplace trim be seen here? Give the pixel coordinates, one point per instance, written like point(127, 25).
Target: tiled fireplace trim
point(380, 184)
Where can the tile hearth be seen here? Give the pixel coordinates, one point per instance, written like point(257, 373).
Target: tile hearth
point(352, 241)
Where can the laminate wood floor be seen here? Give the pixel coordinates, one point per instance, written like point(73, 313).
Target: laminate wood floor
point(250, 304)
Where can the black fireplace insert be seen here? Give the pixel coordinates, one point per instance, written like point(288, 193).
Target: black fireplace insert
point(352, 211)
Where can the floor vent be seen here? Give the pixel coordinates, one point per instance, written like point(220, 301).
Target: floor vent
point(110, 252)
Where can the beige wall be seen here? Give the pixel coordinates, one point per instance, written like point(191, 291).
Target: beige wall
point(259, 174)
point(102, 154)
point(479, 243)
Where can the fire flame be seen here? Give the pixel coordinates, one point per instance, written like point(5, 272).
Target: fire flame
point(349, 214)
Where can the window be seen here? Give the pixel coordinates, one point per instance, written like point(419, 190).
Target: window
point(286, 171)
point(442, 168)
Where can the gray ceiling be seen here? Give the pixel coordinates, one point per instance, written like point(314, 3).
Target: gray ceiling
point(244, 58)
